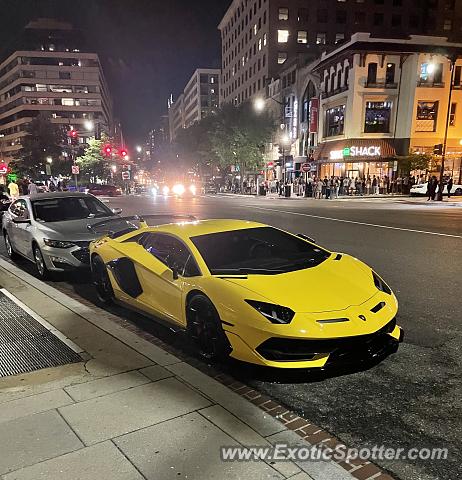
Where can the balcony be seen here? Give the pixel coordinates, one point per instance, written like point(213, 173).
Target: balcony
point(389, 85)
point(422, 83)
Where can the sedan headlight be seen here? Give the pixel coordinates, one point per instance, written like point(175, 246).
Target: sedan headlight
point(58, 243)
point(192, 189)
point(273, 313)
point(380, 284)
point(178, 189)
point(165, 190)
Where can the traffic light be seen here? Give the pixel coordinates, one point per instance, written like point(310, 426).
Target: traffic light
point(107, 150)
point(74, 137)
point(438, 149)
point(123, 153)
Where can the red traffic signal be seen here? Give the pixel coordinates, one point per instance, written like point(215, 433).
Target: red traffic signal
point(123, 152)
point(73, 133)
point(108, 150)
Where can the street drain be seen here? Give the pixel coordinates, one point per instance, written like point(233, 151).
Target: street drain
point(26, 344)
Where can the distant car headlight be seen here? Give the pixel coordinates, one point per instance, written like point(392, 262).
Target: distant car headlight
point(178, 189)
point(165, 190)
point(58, 243)
point(193, 189)
point(154, 191)
point(274, 313)
point(380, 284)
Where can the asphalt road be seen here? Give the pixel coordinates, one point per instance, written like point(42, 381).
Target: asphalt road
point(413, 398)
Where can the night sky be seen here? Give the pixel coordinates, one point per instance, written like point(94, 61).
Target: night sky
point(149, 48)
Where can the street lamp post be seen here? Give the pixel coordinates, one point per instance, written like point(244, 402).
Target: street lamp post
point(448, 116)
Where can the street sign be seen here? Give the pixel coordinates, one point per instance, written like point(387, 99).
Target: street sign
point(395, 166)
point(125, 175)
point(3, 168)
point(75, 169)
point(305, 167)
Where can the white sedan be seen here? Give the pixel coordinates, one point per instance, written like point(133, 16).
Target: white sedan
point(422, 189)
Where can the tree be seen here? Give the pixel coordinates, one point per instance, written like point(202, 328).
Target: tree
point(414, 161)
point(92, 163)
point(43, 139)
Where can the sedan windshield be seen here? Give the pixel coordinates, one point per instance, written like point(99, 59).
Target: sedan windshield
point(262, 250)
point(69, 208)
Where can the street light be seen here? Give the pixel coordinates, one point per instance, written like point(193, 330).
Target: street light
point(139, 149)
point(89, 125)
point(49, 160)
point(259, 104)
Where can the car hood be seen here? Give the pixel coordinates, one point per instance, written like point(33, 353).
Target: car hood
point(332, 285)
point(70, 230)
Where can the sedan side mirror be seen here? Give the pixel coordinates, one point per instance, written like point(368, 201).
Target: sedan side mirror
point(306, 237)
point(174, 273)
point(116, 211)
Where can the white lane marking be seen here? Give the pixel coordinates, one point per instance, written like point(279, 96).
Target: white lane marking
point(356, 223)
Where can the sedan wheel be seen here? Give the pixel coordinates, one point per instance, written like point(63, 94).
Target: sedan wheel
point(42, 269)
point(101, 280)
point(204, 326)
point(9, 249)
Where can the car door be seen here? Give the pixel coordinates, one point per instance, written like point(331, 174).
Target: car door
point(19, 227)
point(167, 262)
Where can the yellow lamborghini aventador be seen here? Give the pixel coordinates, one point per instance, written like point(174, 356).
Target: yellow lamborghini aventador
point(247, 290)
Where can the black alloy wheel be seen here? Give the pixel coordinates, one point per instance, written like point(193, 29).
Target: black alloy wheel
point(204, 327)
point(40, 265)
point(101, 280)
point(9, 248)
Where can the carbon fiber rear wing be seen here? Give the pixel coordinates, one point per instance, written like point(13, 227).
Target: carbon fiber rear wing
point(118, 226)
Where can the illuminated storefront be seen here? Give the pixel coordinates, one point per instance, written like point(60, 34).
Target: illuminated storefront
point(355, 158)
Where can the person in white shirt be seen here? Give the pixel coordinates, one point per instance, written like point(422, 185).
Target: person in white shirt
point(32, 188)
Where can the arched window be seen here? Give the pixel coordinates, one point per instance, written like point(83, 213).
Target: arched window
point(310, 92)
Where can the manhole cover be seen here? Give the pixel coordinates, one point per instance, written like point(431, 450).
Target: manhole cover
point(27, 345)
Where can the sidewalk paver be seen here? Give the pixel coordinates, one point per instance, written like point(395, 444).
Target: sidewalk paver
point(98, 462)
point(192, 452)
point(33, 439)
point(112, 415)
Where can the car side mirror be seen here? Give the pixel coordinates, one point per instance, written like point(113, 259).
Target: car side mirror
point(174, 273)
point(21, 220)
point(306, 237)
point(116, 211)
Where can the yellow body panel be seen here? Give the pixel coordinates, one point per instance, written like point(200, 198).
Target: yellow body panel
point(335, 289)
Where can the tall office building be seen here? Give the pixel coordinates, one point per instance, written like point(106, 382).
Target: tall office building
point(260, 36)
point(47, 68)
point(199, 98)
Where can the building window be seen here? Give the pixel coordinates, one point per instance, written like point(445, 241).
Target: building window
point(339, 37)
point(427, 113)
point(264, 39)
point(335, 120)
point(302, 36)
point(321, 39)
point(283, 36)
point(390, 73)
point(396, 20)
point(458, 76)
point(341, 16)
point(372, 73)
point(303, 15)
point(431, 73)
point(377, 119)
point(282, 57)
point(378, 19)
point(283, 13)
point(452, 115)
point(414, 21)
point(65, 75)
point(259, 44)
point(322, 16)
point(346, 76)
point(447, 24)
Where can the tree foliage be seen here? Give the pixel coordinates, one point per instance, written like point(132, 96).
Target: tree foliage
point(92, 163)
point(43, 139)
point(415, 161)
point(231, 136)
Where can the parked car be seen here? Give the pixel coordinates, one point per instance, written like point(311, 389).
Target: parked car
point(5, 202)
point(239, 289)
point(209, 188)
point(105, 190)
point(422, 188)
point(51, 229)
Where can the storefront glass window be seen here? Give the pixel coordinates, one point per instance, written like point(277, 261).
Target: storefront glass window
point(377, 117)
point(335, 121)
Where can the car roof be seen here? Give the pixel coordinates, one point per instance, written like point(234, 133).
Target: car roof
point(51, 195)
point(205, 227)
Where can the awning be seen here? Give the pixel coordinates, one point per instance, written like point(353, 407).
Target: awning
point(355, 150)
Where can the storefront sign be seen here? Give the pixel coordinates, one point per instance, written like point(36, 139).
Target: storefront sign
point(354, 151)
point(314, 113)
point(3, 168)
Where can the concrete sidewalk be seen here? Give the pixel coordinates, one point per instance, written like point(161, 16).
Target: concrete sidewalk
point(129, 411)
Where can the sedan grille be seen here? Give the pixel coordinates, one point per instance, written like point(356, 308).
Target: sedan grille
point(82, 255)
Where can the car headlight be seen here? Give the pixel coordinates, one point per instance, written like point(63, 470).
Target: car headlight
point(178, 189)
point(154, 191)
point(165, 190)
point(380, 284)
point(273, 313)
point(58, 243)
point(192, 189)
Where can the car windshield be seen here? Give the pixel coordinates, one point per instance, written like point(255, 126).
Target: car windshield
point(69, 208)
point(261, 250)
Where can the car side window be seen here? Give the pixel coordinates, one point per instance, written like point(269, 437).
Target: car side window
point(19, 209)
point(172, 252)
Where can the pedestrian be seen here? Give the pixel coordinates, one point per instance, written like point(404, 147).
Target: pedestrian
point(328, 187)
point(387, 184)
point(375, 185)
point(352, 186)
point(368, 185)
point(336, 186)
point(319, 187)
point(450, 184)
point(32, 189)
point(13, 189)
point(431, 188)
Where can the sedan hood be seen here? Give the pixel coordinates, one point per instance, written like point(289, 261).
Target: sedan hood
point(332, 285)
point(70, 230)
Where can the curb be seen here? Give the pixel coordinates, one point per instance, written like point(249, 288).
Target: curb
point(165, 355)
